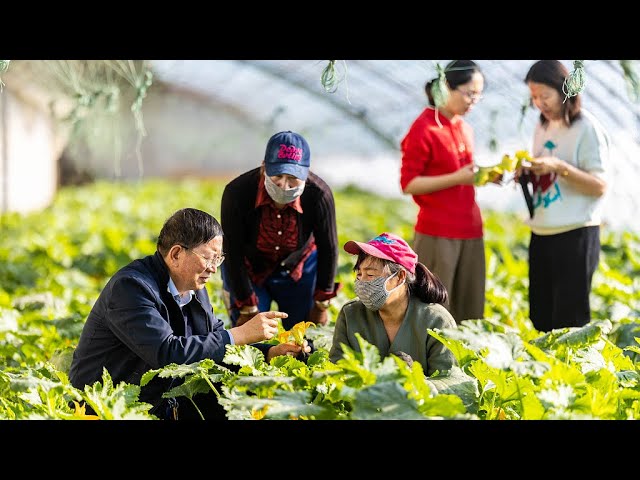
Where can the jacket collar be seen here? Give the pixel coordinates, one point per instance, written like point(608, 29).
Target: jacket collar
point(160, 268)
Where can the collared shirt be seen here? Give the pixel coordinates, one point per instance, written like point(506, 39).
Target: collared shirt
point(277, 236)
point(182, 300)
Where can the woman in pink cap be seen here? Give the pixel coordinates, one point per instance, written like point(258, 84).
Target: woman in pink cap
point(398, 300)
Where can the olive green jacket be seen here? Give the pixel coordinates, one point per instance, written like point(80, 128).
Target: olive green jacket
point(412, 337)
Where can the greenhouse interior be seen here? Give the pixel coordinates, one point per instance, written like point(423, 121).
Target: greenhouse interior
point(95, 156)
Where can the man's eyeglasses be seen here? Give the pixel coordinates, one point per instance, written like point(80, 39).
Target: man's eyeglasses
point(473, 96)
point(211, 262)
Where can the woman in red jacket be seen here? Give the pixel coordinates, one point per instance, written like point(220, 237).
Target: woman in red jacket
point(437, 169)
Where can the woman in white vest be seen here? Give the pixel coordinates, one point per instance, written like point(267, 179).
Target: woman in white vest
point(568, 182)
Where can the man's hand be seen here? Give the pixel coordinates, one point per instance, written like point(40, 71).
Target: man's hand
point(291, 349)
point(263, 326)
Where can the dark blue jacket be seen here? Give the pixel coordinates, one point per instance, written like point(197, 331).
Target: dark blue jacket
point(136, 325)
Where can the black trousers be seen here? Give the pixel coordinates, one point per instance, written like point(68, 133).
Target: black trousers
point(560, 271)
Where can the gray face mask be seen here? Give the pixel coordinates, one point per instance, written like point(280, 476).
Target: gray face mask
point(374, 294)
point(282, 195)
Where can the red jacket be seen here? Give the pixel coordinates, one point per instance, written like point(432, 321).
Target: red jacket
point(429, 149)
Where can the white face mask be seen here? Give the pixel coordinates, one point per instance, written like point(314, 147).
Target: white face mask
point(282, 195)
point(374, 294)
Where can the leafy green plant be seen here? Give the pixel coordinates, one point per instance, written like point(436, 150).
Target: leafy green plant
point(507, 370)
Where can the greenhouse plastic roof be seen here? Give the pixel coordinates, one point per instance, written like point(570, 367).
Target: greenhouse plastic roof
point(377, 100)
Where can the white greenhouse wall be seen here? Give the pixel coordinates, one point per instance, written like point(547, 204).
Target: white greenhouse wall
point(28, 156)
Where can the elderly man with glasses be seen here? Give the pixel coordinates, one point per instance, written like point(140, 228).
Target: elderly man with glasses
point(156, 311)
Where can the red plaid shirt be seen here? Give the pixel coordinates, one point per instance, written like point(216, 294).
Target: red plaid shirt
point(277, 236)
point(251, 225)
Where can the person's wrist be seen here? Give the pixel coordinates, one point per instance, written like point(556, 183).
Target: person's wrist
point(323, 304)
point(563, 171)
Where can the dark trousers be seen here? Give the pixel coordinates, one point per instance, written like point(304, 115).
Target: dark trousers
point(560, 271)
point(294, 298)
point(181, 408)
point(207, 404)
point(460, 266)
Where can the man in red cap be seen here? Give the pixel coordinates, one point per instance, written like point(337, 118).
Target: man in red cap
point(398, 300)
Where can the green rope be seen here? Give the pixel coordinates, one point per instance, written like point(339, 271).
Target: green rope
point(96, 88)
point(493, 142)
point(523, 111)
point(4, 66)
point(140, 81)
point(142, 85)
point(574, 83)
point(632, 80)
point(439, 88)
point(329, 77)
point(112, 99)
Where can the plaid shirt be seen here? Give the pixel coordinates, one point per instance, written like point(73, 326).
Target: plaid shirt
point(277, 236)
point(249, 242)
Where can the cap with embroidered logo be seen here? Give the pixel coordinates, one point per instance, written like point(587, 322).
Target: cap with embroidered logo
point(287, 153)
point(388, 247)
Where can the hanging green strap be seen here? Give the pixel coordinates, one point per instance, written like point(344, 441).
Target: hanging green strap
point(574, 83)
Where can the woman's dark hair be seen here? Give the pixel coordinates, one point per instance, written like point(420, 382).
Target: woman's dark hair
point(188, 227)
point(457, 72)
point(552, 73)
point(424, 284)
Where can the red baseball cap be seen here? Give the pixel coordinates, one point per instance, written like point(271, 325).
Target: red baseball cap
point(388, 247)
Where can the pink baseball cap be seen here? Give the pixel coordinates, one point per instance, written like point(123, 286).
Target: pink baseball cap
point(388, 247)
